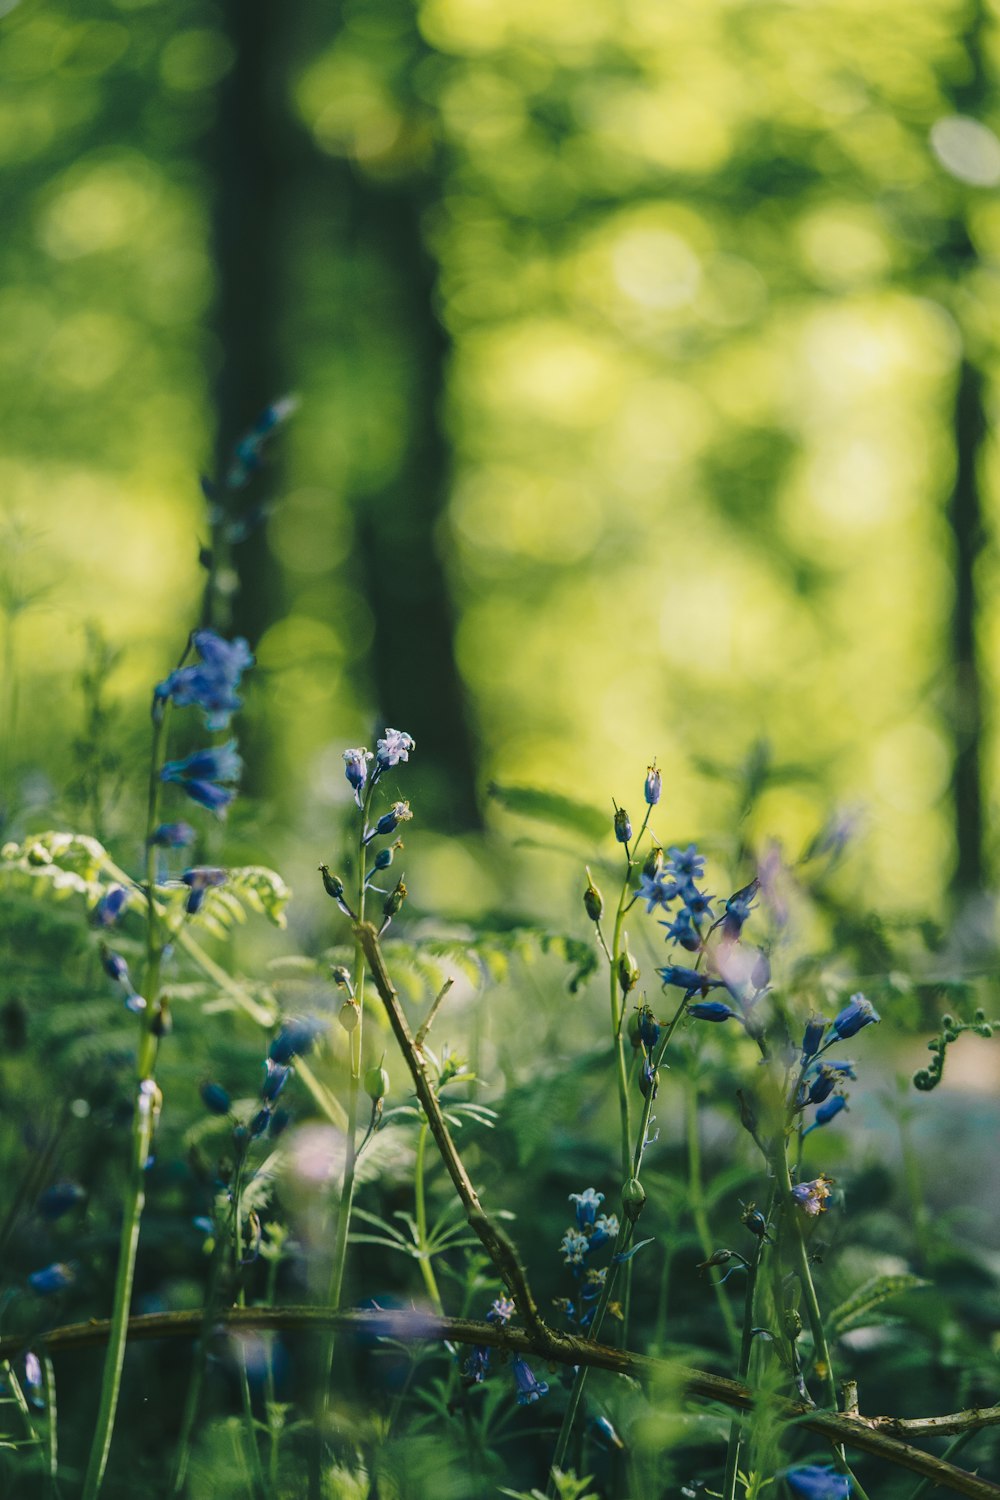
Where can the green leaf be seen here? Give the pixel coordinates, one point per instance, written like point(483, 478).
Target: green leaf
point(857, 1308)
point(262, 890)
point(553, 807)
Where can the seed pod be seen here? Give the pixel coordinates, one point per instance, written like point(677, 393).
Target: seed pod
point(349, 1015)
point(633, 1199)
point(593, 901)
point(376, 1084)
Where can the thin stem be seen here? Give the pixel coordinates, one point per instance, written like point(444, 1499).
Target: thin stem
point(147, 1105)
point(696, 1198)
point(746, 1347)
point(789, 1212)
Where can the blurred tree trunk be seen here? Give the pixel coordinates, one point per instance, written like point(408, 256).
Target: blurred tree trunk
point(248, 158)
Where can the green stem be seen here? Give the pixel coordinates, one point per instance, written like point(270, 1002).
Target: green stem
point(696, 1198)
point(259, 1483)
point(746, 1346)
point(147, 1105)
point(789, 1213)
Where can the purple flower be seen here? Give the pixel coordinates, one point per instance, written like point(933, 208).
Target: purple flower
point(528, 1388)
point(54, 1278)
point(818, 1482)
point(212, 682)
point(501, 1311)
point(356, 769)
point(623, 825)
point(653, 785)
point(395, 747)
point(200, 879)
point(811, 1196)
point(173, 835)
point(33, 1380)
point(110, 907)
point(860, 1012)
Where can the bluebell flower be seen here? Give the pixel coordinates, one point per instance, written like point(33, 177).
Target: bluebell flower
point(738, 908)
point(811, 1196)
point(207, 794)
point(649, 1079)
point(845, 1069)
point(275, 1077)
point(827, 1112)
point(691, 980)
point(587, 1204)
point(32, 1381)
point(604, 1429)
point(822, 1085)
point(501, 1311)
point(656, 890)
point(248, 453)
point(215, 763)
point(605, 1228)
point(395, 747)
point(686, 862)
point(860, 1012)
point(356, 769)
point(260, 1122)
point(812, 1037)
point(54, 1278)
point(211, 683)
point(110, 906)
point(653, 785)
point(818, 1482)
point(296, 1038)
point(173, 835)
point(200, 879)
point(683, 931)
point(215, 1098)
point(697, 902)
point(59, 1199)
point(623, 826)
point(114, 966)
point(476, 1366)
point(528, 1388)
point(280, 1121)
point(710, 1010)
point(574, 1247)
point(398, 813)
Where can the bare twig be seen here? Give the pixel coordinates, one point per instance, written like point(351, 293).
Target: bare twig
point(421, 1035)
point(866, 1434)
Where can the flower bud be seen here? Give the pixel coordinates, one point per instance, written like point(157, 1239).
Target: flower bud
point(653, 785)
point(628, 971)
point(633, 1199)
point(394, 900)
point(341, 976)
point(653, 863)
point(593, 901)
point(349, 1015)
point(623, 826)
point(376, 1084)
point(332, 884)
point(754, 1221)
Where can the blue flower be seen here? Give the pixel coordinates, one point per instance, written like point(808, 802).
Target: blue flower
point(697, 902)
point(59, 1199)
point(587, 1204)
point(110, 906)
point(215, 763)
point(356, 769)
point(275, 1078)
point(823, 1085)
point(655, 890)
point(33, 1381)
point(738, 908)
point(528, 1388)
point(710, 1010)
point(501, 1311)
point(215, 1098)
point(686, 862)
point(687, 979)
point(606, 1228)
point(683, 931)
point(574, 1247)
point(653, 785)
point(200, 879)
point(207, 794)
point(248, 453)
point(827, 1112)
point(818, 1482)
point(623, 825)
point(860, 1012)
point(811, 1196)
point(648, 1028)
point(54, 1278)
point(115, 967)
point(476, 1367)
point(395, 747)
point(398, 813)
point(812, 1037)
point(173, 836)
point(296, 1038)
point(603, 1427)
point(212, 682)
